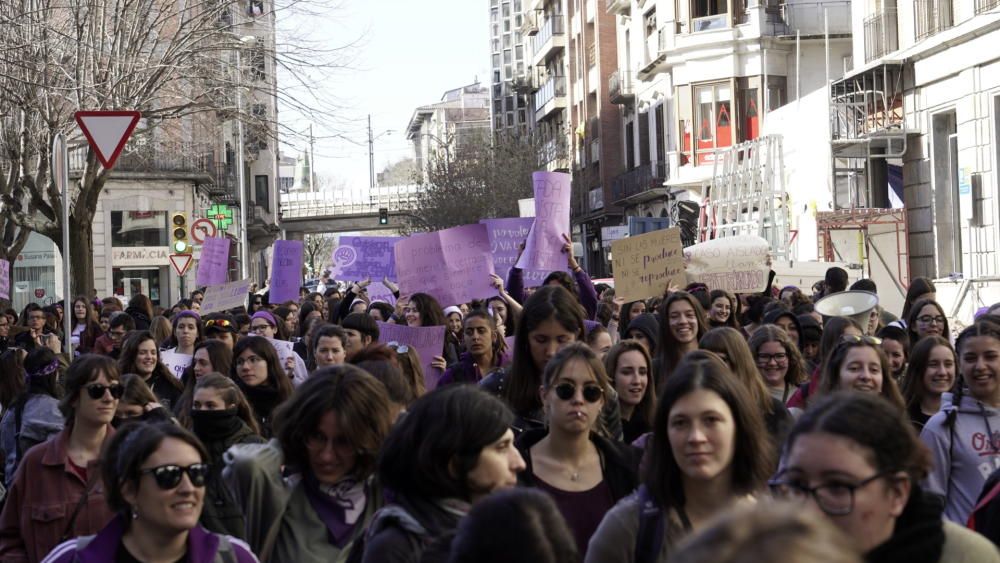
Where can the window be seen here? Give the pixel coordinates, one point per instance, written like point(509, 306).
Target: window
point(630, 145)
point(496, 76)
point(709, 14)
point(643, 124)
point(138, 228)
point(506, 57)
point(261, 196)
point(749, 114)
point(649, 22)
point(661, 139)
point(255, 8)
point(258, 65)
point(506, 41)
point(713, 120)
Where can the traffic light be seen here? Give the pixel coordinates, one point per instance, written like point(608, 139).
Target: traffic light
point(179, 233)
point(383, 216)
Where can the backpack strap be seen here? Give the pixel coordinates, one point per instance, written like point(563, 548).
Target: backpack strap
point(649, 539)
point(81, 543)
point(225, 553)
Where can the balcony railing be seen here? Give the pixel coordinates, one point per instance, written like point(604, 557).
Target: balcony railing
point(622, 7)
point(222, 188)
point(620, 87)
point(554, 25)
point(554, 87)
point(641, 179)
point(983, 6)
point(526, 82)
point(931, 17)
point(881, 34)
point(182, 158)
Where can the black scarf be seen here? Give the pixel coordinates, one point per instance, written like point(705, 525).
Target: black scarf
point(215, 426)
point(918, 536)
point(263, 398)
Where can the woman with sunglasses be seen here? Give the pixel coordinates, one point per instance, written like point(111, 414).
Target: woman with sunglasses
point(962, 436)
point(141, 355)
point(34, 415)
point(709, 451)
point(155, 475)
point(452, 449)
point(682, 324)
point(584, 472)
point(854, 458)
point(308, 495)
point(931, 374)
point(258, 373)
point(927, 318)
point(631, 371)
point(859, 364)
point(210, 356)
point(222, 327)
point(779, 363)
point(484, 346)
point(57, 493)
point(186, 333)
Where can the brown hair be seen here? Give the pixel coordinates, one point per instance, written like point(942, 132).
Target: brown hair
point(830, 381)
point(668, 350)
point(82, 371)
point(796, 373)
point(231, 394)
point(646, 408)
point(136, 391)
point(728, 341)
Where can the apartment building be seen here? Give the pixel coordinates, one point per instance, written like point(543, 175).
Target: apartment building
point(919, 112)
point(545, 25)
point(441, 130)
point(513, 78)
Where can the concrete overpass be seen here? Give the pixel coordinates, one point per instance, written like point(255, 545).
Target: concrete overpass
point(313, 214)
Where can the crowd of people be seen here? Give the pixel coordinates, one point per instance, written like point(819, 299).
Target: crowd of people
point(566, 426)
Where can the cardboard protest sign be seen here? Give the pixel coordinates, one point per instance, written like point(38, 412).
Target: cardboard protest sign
point(286, 271)
point(176, 362)
point(377, 291)
point(357, 258)
point(4, 279)
point(645, 265)
point(738, 264)
point(543, 248)
point(225, 296)
point(428, 341)
point(506, 235)
point(453, 265)
point(213, 264)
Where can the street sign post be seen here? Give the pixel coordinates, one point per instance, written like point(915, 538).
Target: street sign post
point(181, 263)
point(107, 132)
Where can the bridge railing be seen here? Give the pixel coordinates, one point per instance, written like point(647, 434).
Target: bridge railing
point(305, 208)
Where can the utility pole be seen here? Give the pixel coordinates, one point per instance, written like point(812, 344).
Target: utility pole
point(371, 156)
point(312, 161)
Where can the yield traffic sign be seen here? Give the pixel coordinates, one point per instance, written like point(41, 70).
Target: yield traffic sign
point(181, 263)
point(107, 132)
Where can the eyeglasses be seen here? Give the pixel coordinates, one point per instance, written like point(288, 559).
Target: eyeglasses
point(252, 360)
point(591, 393)
point(224, 323)
point(928, 319)
point(835, 499)
point(260, 328)
point(96, 390)
point(317, 442)
point(169, 476)
point(764, 359)
point(854, 339)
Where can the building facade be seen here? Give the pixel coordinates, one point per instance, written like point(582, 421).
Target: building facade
point(442, 130)
point(512, 78)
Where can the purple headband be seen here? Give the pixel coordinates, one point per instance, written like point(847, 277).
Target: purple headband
point(187, 313)
point(45, 370)
point(266, 316)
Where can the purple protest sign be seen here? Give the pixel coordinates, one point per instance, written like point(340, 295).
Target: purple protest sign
point(506, 235)
point(428, 341)
point(213, 265)
point(4, 279)
point(357, 258)
point(286, 271)
point(453, 265)
point(543, 249)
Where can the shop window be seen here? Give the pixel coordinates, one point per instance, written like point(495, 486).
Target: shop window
point(713, 120)
point(138, 228)
point(709, 14)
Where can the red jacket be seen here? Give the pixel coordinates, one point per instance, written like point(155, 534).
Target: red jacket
point(42, 499)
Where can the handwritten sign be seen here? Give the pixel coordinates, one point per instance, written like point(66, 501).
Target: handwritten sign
point(357, 258)
point(286, 351)
point(453, 265)
point(286, 271)
point(543, 249)
point(377, 291)
point(428, 341)
point(214, 262)
point(4, 279)
point(225, 296)
point(506, 235)
point(737, 264)
point(176, 362)
point(645, 265)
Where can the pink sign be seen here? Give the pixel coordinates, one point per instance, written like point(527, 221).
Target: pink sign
point(506, 236)
point(428, 341)
point(543, 249)
point(453, 265)
point(286, 271)
point(213, 266)
point(4, 279)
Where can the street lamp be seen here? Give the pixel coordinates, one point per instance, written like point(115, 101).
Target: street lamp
point(371, 153)
point(248, 41)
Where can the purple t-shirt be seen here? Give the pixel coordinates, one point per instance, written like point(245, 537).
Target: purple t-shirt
point(583, 510)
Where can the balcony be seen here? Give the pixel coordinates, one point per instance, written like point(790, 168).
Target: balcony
point(656, 53)
point(185, 160)
point(550, 97)
point(526, 82)
point(881, 34)
point(983, 6)
point(620, 87)
point(931, 17)
point(553, 155)
point(641, 184)
point(867, 112)
point(551, 38)
point(812, 18)
point(222, 187)
point(529, 24)
point(620, 7)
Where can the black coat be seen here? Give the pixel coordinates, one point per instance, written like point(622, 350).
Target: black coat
point(221, 514)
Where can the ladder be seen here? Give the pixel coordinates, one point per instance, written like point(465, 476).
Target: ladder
point(747, 195)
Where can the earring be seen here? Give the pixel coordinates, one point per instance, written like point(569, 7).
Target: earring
point(135, 514)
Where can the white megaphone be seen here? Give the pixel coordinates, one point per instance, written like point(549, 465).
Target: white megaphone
point(857, 305)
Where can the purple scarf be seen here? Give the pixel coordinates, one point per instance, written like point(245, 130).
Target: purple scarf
point(339, 506)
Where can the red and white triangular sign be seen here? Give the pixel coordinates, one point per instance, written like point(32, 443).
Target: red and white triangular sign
point(181, 263)
point(107, 132)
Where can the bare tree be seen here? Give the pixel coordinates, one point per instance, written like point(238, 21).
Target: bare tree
point(175, 61)
point(483, 179)
point(318, 249)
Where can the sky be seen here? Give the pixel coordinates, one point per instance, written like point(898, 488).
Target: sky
point(409, 53)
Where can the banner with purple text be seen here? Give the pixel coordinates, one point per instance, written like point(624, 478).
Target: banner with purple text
point(357, 258)
point(428, 341)
point(739, 264)
point(543, 249)
point(506, 235)
point(286, 271)
point(453, 265)
point(214, 261)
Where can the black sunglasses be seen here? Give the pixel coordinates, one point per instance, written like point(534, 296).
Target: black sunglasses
point(169, 476)
point(591, 393)
point(96, 390)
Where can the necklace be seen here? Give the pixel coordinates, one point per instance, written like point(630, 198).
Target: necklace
point(574, 476)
